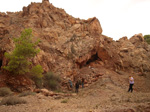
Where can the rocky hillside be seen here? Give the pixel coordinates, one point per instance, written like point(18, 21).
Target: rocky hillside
point(104, 95)
point(71, 46)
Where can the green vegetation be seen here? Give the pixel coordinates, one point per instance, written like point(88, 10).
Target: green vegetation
point(51, 81)
point(26, 93)
point(4, 91)
point(64, 101)
point(12, 100)
point(20, 62)
point(25, 50)
point(147, 38)
point(36, 75)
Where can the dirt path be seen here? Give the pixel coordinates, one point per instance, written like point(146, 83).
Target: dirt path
point(101, 96)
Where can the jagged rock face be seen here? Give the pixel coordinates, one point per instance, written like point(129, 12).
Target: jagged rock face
point(64, 39)
point(68, 44)
point(62, 36)
point(132, 54)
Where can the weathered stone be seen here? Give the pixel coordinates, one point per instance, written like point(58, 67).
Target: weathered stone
point(18, 83)
point(70, 46)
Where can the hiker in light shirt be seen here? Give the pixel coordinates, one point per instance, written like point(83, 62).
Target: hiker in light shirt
point(131, 83)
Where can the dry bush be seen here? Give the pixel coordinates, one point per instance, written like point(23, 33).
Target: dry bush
point(52, 81)
point(12, 100)
point(4, 91)
point(26, 93)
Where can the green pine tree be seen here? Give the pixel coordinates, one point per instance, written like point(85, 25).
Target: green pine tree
point(25, 50)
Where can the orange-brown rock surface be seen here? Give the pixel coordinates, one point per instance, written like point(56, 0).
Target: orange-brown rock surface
point(70, 44)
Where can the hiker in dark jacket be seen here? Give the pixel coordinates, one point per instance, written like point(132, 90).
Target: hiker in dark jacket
point(82, 82)
point(77, 87)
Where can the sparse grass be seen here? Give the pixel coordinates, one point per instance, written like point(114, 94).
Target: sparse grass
point(64, 101)
point(12, 100)
point(58, 91)
point(26, 93)
point(4, 91)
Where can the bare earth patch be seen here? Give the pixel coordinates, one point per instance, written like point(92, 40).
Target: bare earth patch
point(101, 96)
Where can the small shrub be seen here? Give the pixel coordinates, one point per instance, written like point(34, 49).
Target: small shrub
point(36, 74)
point(26, 93)
point(51, 81)
point(37, 71)
point(4, 91)
point(12, 100)
point(52, 84)
point(64, 101)
point(147, 38)
point(38, 82)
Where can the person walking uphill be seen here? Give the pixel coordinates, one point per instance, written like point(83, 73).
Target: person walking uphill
point(77, 87)
point(82, 82)
point(70, 83)
point(131, 83)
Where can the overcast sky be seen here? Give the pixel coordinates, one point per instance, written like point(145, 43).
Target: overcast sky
point(118, 18)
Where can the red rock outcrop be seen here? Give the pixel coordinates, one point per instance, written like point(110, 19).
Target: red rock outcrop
point(68, 43)
point(62, 36)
